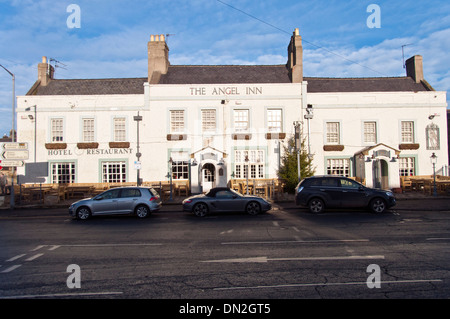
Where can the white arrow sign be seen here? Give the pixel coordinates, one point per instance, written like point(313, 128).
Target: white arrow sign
point(11, 163)
point(15, 155)
point(15, 146)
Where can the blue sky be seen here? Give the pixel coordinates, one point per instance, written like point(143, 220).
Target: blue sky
point(112, 39)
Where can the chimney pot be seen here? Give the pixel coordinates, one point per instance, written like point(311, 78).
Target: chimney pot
point(295, 58)
point(414, 68)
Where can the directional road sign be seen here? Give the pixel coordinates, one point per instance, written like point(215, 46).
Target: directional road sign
point(15, 155)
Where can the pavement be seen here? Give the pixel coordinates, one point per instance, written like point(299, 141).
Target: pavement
point(413, 201)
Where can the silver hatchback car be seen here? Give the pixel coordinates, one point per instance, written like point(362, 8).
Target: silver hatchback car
point(140, 201)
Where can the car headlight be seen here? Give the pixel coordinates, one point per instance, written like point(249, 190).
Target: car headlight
point(299, 189)
point(390, 194)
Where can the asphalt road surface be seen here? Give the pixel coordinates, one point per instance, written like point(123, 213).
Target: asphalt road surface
point(284, 254)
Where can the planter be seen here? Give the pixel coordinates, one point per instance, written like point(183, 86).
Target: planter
point(56, 146)
point(84, 146)
point(119, 144)
point(412, 146)
point(333, 148)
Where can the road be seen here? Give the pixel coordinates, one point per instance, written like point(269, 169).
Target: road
point(284, 254)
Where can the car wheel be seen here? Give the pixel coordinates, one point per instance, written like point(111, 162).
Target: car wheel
point(83, 213)
point(378, 205)
point(142, 211)
point(200, 210)
point(253, 208)
point(316, 206)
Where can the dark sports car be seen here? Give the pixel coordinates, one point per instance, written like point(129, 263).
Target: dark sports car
point(222, 199)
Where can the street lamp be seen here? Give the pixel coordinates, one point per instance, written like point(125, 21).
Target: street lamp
point(169, 175)
point(138, 118)
point(246, 173)
point(297, 148)
point(13, 139)
point(13, 102)
point(433, 161)
point(35, 126)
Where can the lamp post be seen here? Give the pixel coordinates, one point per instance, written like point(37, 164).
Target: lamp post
point(169, 175)
point(13, 103)
point(13, 137)
point(35, 126)
point(433, 161)
point(138, 118)
point(297, 148)
point(246, 173)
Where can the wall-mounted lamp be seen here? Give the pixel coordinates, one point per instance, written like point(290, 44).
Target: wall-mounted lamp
point(31, 117)
point(393, 160)
point(368, 159)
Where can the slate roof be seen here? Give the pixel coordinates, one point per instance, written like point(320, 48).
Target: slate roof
point(227, 74)
point(92, 87)
point(380, 84)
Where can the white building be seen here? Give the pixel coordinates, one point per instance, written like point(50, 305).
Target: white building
point(201, 123)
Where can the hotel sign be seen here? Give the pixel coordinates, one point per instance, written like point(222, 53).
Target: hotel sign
point(96, 151)
point(226, 90)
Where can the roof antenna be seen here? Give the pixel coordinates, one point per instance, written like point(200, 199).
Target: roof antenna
point(403, 53)
point(167, 36)
point(57, 64)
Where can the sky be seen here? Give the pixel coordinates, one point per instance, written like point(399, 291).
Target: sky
point(108, 38)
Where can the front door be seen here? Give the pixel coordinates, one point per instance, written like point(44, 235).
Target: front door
point(208, 177)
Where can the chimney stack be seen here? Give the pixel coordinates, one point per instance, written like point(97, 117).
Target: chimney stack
point(45, 72)
point(414, 68)
point(295, 58)
point(158, 58)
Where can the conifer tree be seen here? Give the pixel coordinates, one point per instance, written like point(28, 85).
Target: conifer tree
point(288, 166)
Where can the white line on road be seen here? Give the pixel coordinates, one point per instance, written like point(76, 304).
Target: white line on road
point(295, 241)
point(33, 257)
point(443, 238)
point(38, 247)
point(54, 247)
point(265, 259)
point(16, 257)
point(10, 269)
point(65, 295)
point(108, 245)
point(329, 284)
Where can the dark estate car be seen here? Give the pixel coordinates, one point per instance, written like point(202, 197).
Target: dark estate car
point(222, 199)
point(140, 201)
point(319, 192)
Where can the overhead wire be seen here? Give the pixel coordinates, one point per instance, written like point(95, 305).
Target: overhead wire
point(310, 43)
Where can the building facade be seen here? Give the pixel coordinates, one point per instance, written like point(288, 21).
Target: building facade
point(210, 124)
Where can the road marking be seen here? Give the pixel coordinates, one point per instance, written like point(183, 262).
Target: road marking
point(265, 259)
point(227, 231)
point(295, 241)
point(38, 247)
point(10, 269)
point(54, 247)
point(16, 257)
point(329, 284)
point(65, 295)
point(443, 238)
point(33, 257)
point(109, 245)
